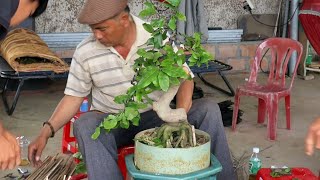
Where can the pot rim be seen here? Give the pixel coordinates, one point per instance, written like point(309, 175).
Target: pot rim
point(198, 131)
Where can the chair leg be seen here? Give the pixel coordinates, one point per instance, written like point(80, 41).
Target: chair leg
point(261, 111)
point(272, 106)
point(66, 137)
point(288, 116)
point(235, 110)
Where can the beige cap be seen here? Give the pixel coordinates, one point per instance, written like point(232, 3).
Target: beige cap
point(96, 11)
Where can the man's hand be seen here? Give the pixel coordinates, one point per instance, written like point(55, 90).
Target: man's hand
point(65, 110)
point(35, 150)
point(313, 137)
point(10, 150)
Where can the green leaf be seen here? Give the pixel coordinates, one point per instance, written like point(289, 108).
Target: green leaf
point(167, 62)
point(174, 3)
point(168, 49)
point(181, 16)
point(138, 96)
point(158, 142)
point(180, 52)
point(149, 55)
point(175, 72)
point(141, 52)
point(159, 23)
point(135, 121)
point(150, 41)
point(124, 124)
point(174, 81)
point(150, 75)
point(148, 11)
point(156, 56)
point(77, 155)
point(121, 99)
point(81, 168)
point(158, 41)
point(148, 27)
point(156, 83)
point(145, 13)
point(96, 134)
point(164, 35)
point(137, 105)
point(163, 81)
point(180, 61)
point(130, 92)
point(195, 56)
point(110, 122)
point(192, 61)
point(131, 113)
point(197, 37)
point(172, 23)
point(168, 6)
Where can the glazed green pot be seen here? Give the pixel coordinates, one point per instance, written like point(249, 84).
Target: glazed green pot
point(171, 160)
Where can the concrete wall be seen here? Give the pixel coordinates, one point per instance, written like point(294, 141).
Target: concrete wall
point(61, 14)
point(238, 55)
point(61, 17)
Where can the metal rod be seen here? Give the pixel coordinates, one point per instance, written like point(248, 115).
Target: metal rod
point(294, 33)
point(277, 21)
point(285, 20)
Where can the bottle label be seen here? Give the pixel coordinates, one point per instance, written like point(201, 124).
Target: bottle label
point(254, 166)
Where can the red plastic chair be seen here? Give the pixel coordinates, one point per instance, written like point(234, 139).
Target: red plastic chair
point(69, 142)
point(69, 145)
point(275, 88)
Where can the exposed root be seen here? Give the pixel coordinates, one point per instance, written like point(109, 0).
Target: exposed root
point(171, 135)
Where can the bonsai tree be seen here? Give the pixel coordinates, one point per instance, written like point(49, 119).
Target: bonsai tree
point(160, 69)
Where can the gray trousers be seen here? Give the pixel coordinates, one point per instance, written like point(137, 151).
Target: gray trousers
point(101, 155)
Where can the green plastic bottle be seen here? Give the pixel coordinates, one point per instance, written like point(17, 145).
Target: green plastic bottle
point(309, 56)
point(254, 162)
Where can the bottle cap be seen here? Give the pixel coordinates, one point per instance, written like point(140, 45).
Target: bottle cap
point(256, 150)
point(84, 106)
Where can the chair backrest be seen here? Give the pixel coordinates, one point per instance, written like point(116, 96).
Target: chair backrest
point(281, 50)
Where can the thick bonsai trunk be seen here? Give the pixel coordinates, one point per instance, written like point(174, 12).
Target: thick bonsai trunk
point(176, 132)
point(162, 107)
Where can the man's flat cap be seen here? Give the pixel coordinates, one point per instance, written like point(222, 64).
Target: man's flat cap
point(96, 11)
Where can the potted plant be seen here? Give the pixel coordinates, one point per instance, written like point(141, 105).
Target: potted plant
point(161, 69)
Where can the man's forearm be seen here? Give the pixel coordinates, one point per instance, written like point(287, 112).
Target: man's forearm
point(184, 95)
point(65, 110)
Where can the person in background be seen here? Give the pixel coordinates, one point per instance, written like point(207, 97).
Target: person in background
point(312, 139)
point(12, 13)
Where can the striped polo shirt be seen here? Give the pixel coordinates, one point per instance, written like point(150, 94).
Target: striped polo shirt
point(103, 71)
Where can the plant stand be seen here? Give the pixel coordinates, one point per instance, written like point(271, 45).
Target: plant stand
point(205, 174)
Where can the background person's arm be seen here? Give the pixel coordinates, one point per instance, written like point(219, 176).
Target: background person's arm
point(10, 150)
point(185, 92)
point(184, 95)
point(312, 139)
